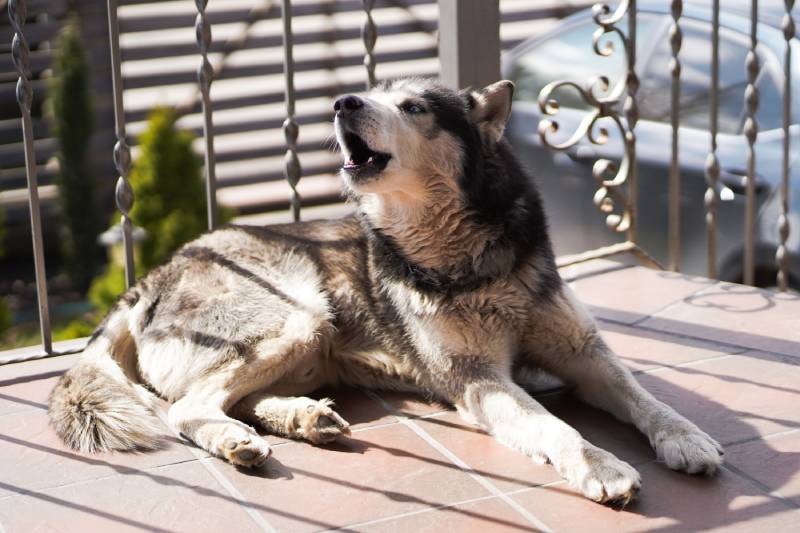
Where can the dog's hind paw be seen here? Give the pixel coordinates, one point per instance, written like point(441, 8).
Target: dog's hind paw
point(685, 447)
point(319, 423)
point(606, 479)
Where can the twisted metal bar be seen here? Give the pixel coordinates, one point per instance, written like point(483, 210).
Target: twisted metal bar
point(205, 75)
point(751, 133)
point(631, 110)
point(712, 161)
point(782, 255)
point(369, 34)
point(618, 207)
point(122, 154)
point(20, 53)
point(675, 41)
point(292, 170)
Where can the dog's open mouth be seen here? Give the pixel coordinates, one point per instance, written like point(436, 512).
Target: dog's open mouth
point(362, 158)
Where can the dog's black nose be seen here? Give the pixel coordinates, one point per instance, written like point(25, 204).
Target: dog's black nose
point(347, 104)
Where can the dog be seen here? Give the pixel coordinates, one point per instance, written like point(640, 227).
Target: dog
point(443, 282)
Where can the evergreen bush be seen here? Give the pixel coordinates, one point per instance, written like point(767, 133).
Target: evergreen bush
point(169, 201)
point(71, 109)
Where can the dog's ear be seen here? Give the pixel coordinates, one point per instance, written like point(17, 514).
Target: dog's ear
point(491, 107)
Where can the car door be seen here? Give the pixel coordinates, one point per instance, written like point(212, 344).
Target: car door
point(654, 147)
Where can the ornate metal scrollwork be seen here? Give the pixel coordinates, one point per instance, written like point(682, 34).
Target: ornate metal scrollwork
point(610, 198)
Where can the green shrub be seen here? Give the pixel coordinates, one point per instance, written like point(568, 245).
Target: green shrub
point(71, 109)
point(6, 317)
point(169, 201)
point(74, 329)
point(107, 287)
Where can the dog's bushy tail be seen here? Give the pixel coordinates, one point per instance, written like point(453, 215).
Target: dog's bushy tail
point(95, 407)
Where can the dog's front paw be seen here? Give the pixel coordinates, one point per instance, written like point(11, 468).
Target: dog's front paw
point(243, 449)
point(683, 446)
point(603, 478)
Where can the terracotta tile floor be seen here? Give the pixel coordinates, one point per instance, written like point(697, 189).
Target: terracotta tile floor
point(727, 356)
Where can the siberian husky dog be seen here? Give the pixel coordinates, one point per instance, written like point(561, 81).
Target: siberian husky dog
point(444, 282)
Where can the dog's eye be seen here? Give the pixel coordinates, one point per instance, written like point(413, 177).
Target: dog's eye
point(413, 109)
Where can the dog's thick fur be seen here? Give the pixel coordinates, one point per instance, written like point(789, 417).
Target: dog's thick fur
point(444, 282)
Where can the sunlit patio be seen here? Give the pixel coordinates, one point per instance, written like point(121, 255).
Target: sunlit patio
point(726, 356)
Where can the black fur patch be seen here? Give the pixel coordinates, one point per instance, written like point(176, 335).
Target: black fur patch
point(150, 312)
point(393, 262)
point(497, 192)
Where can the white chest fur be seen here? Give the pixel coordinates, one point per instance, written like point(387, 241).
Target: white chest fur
point(485, 322)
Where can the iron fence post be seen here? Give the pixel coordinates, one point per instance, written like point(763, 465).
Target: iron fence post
point(782, 255)
point(20, 53)
point(122, 154)
point(205, 75)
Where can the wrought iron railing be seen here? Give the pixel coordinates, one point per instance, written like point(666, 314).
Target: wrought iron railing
point(616, 195)
point(122, 156)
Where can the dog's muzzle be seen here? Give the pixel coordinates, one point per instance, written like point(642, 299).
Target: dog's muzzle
point(363, 162)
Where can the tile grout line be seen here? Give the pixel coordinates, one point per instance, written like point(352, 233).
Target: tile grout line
point(485, 483)
point(673, 303)
point(769, 436)
point(42, 490)
point(713, 344)
point(737, 349)
point(761, 486)
point(424, 510)
point(685, 364)
point(586, 275)
point(447, 506)
point(257, 518)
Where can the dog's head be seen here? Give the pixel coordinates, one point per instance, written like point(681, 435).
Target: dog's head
point(408, 136)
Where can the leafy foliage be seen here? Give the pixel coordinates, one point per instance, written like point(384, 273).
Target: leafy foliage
point(72, 120)
point(169, 201)
point(167, 183)
point(6, 317)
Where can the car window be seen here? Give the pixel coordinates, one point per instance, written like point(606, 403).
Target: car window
point(570, 56)
point(654, 95)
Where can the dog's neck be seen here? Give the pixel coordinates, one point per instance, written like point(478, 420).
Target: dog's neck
point(436, 242)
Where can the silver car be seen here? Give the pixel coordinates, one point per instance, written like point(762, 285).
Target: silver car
point(565, 53)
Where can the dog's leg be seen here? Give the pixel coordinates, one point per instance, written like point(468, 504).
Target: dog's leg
point(201, 413)
point(520, 422)
point(202, 420)
point(575, 352)
point(294, 417)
